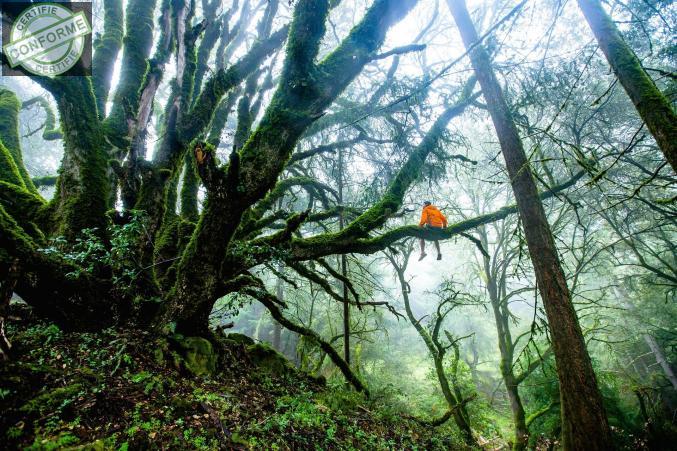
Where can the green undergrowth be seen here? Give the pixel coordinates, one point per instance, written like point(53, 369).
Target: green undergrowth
point(125, 390)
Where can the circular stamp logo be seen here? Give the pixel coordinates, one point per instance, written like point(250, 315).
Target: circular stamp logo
point(47, 39)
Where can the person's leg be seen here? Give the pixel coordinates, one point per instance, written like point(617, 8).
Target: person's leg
point(439, 252)
point(423, 254)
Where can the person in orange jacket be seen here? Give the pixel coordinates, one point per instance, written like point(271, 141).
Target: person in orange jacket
point(431, 218)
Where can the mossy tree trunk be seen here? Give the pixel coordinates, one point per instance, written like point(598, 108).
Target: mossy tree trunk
point(653, 107)
point(137, 40)
point(83, 190)
point(306, 89)
point(584, 421)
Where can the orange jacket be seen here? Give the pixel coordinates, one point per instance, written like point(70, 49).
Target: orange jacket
point(433, 217)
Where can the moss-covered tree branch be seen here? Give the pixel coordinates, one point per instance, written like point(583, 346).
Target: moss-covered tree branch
point(73, 303)
point(392, 199)
point(651, 104)
point(298, 101)
point(138, 41)
point(50, 131)
point(9, 133)
point(106, 49)
point(195, 121)
point(334, 243)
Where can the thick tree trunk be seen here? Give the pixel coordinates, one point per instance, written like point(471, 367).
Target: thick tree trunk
point(82, 195)
point(584, 421)
point(651, 104)
point(189, 190)
point(84, 303)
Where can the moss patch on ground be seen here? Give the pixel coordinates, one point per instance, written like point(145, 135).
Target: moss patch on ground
point(131, 390)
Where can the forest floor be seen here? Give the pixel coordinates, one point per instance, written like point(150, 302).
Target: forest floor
point(129, 390)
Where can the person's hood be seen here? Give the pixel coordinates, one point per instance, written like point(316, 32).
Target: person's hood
point(430, 207)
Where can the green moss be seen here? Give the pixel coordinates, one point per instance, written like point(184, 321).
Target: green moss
point(169, 244)
point(211, 34)
point(218, 120)
point(189, 189)
point(9, 172)
point(197, 355)
point(106, 49)
point(392, 200)
point(239, 339)
point(9, 132)
point(364, 39)
point(190, 61)
point(26, 208)
point(14, 242)
point(307, 29)
point(82, 196)
point(51, 400)
point(199, 117)
point(268, 360)
point(138, 41)
point(50, 131)
point(301, 97)
point(47, 180)
point(244, 122)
